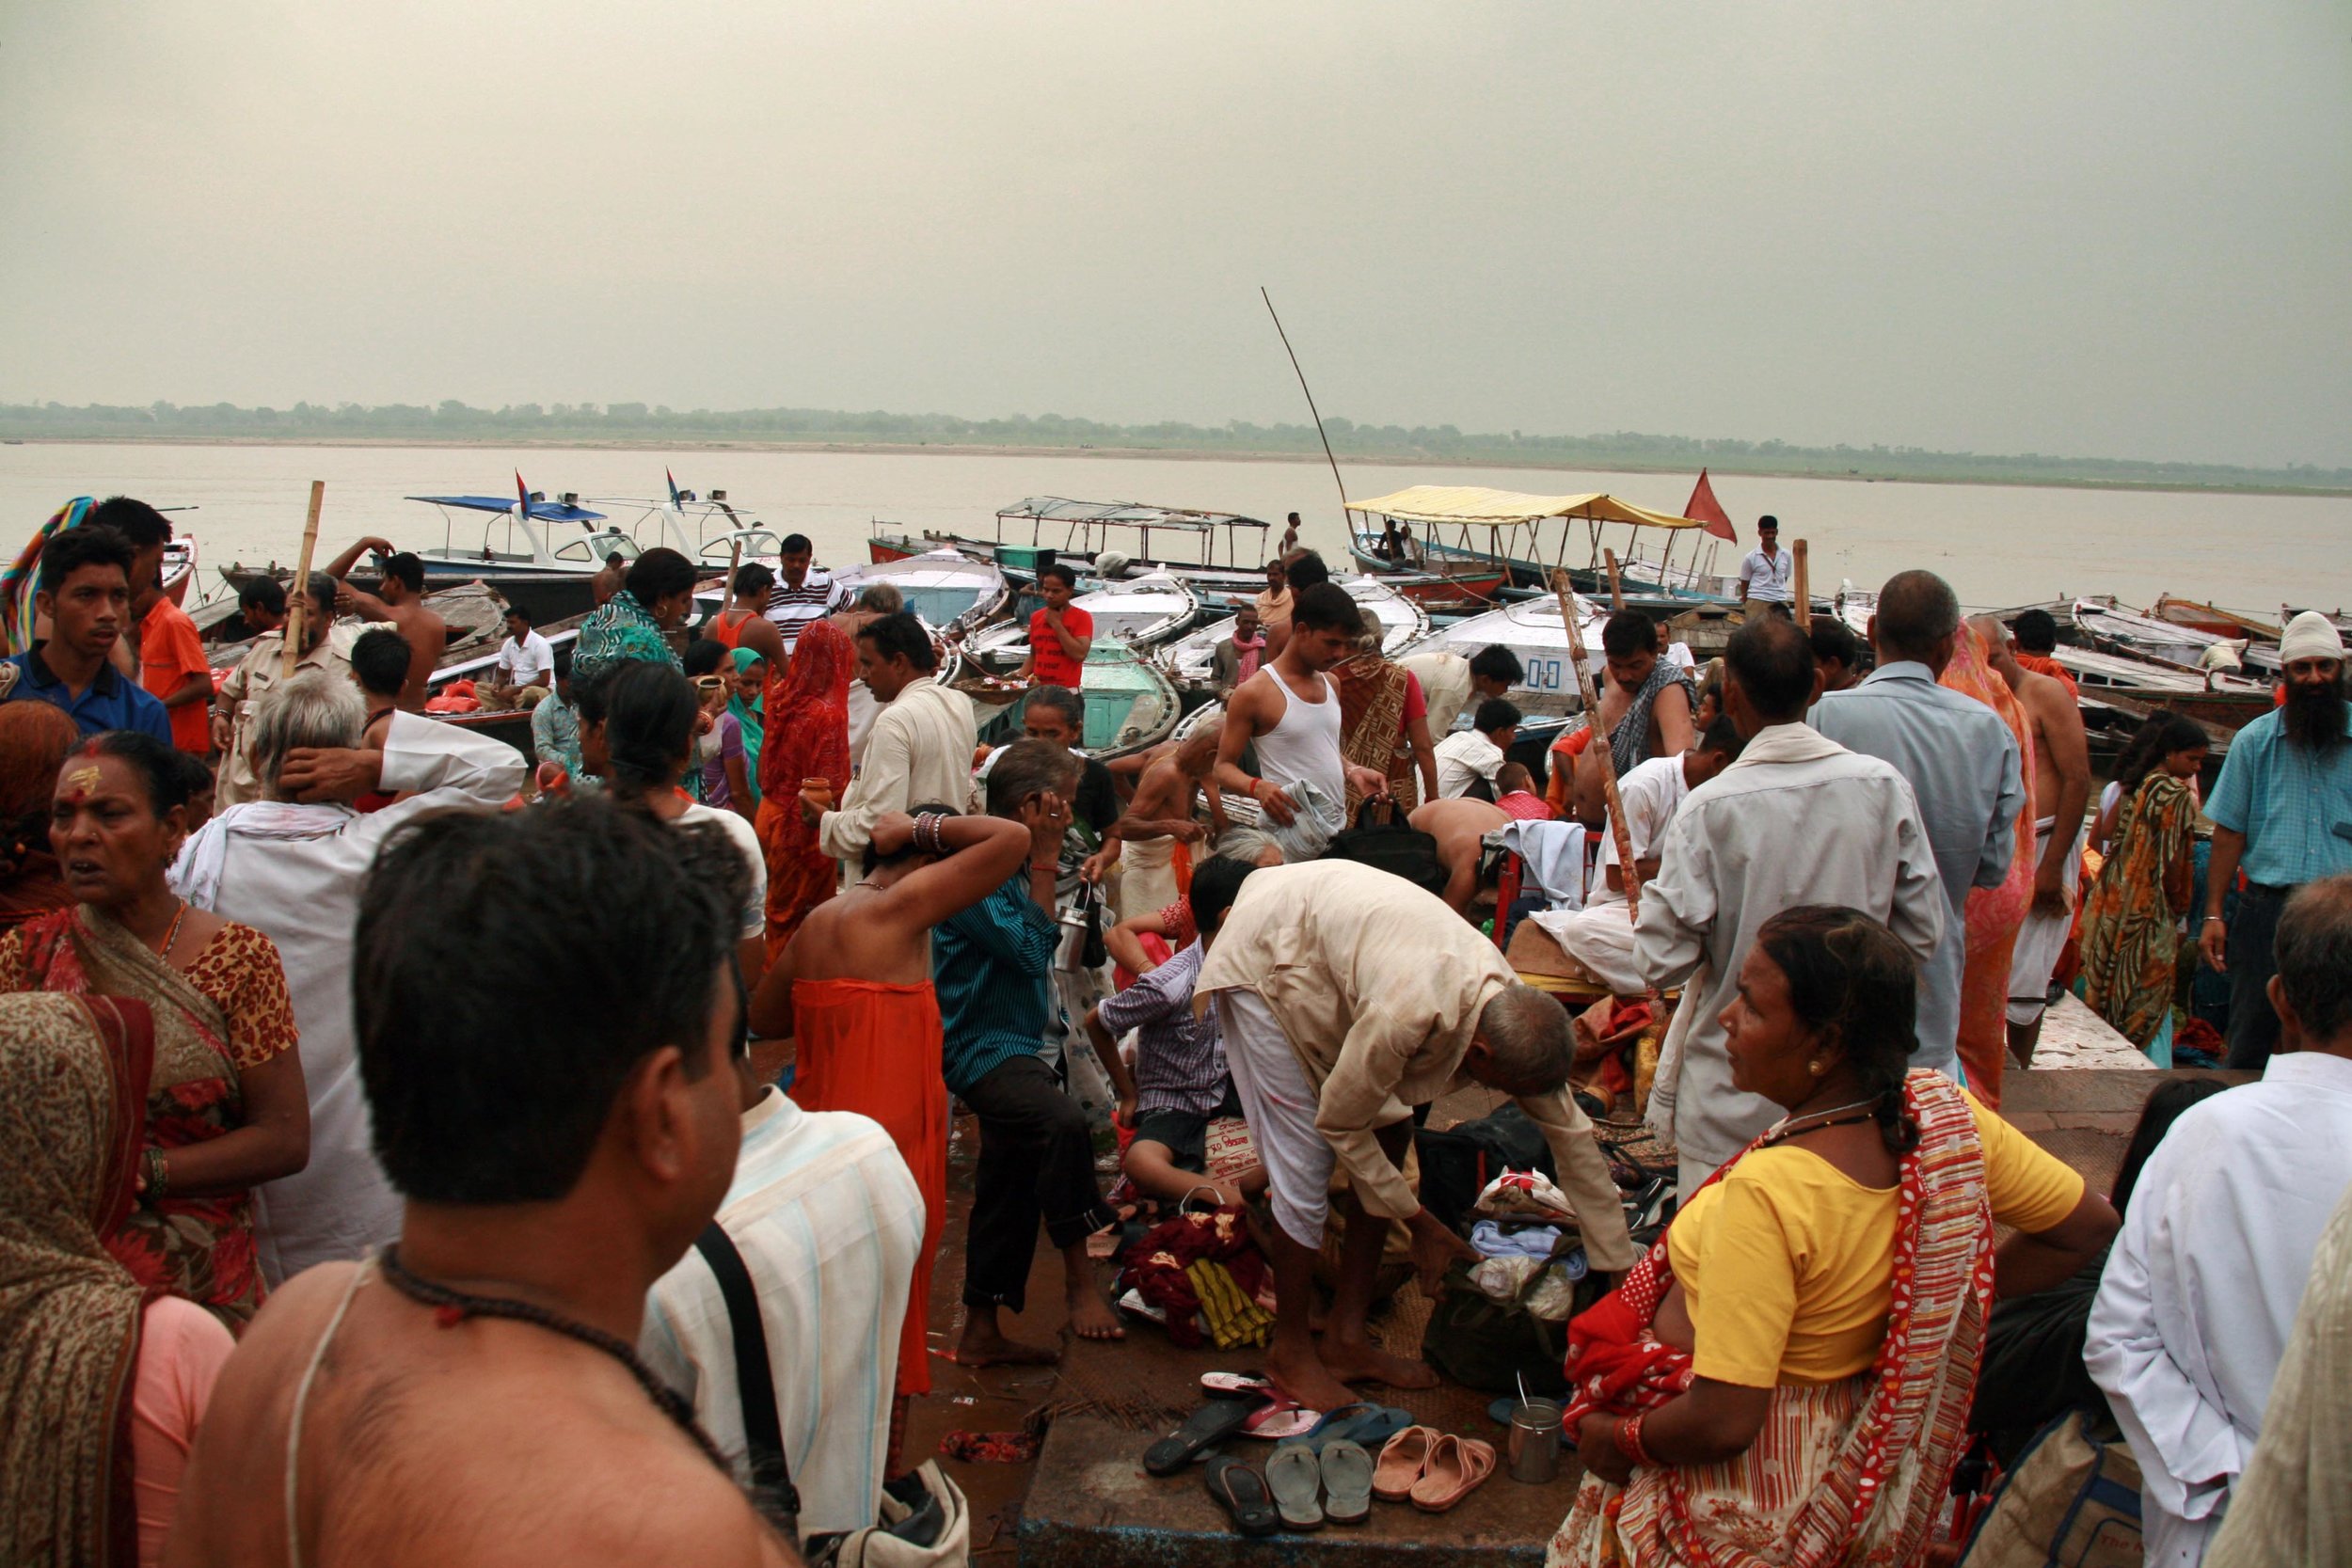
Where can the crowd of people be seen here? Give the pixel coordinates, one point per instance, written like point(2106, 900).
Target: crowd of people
point(351, 1199)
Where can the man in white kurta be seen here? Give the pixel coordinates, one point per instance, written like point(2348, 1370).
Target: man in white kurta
point(295, 872)
point(918, 754)
point(829, 1224)
point(1798, 819)
point(1348, 996)
point(2202, 1287)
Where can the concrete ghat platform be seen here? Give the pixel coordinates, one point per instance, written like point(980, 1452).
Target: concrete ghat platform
point(1091, 1504)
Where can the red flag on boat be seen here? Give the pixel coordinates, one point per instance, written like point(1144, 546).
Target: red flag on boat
point(523, 492)
point(1703, 508)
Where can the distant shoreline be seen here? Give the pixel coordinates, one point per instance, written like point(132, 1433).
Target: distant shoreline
point(1173, 454)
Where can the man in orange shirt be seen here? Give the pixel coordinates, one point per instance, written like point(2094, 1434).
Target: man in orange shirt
point(172, 667)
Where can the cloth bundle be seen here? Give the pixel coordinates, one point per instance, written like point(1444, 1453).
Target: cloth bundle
point(1524, 1195)
point(1159, 1265)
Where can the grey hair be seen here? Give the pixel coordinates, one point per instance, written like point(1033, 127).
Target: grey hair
point(1061, 700)
point(1530, 1039)
point(882, 598)
point(2313, 953)
point(1247, 844)
point(315, 708)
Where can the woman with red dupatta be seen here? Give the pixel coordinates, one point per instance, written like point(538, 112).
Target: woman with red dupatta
point(806, 738)
point(1784, 1379)
point(1994, 915)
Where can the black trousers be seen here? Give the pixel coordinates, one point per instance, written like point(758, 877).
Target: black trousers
point(2253, 1023)
point(1037, 1162)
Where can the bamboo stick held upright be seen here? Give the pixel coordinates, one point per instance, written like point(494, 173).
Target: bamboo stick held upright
point(1803, 608)
point(298, 602)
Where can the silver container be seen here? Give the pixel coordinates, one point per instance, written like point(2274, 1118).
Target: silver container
point(1534, 1446)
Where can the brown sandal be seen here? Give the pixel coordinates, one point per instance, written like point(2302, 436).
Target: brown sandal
point(1456, 1468)
point(1402, 1458)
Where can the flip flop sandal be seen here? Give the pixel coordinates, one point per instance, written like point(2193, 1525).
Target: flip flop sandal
point(1346, 1481)
point(1457, 1466)
point(1403, 1459)
point(1280, 1419)
point(1295, 1478)
point(1366, 1425)
point(1236, 1385)
point(1134, 1305)
point(1206, 1427)
point(1503, 1410)
point(1242, 1492)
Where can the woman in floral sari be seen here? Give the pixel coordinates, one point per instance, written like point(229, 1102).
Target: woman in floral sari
point(807, 737)
point(635, 622)
point(1785, 1378)
point(1994, 914)
point(2131, 918)
point(225, 1105)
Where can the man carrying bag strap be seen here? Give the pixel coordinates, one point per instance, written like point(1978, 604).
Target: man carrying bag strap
point(924, 1521)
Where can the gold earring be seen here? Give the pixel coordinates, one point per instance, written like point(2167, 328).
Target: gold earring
point(1816, 1068)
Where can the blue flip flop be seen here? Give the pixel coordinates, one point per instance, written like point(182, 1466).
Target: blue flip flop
point(1369, 1425)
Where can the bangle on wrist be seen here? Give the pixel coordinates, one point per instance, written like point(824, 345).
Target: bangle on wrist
point(2213, 919)
point(157, 1173)
point(1628, 1438)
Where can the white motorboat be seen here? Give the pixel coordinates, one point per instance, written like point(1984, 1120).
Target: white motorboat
point(1142, 612)
point(1532, 630)
point(1403, 623)
point(952, 593)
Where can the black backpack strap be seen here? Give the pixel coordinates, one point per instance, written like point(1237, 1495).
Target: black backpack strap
point(763, 1430)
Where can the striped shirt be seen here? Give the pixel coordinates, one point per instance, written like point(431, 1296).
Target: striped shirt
point(994, 966)
point(1180, 1059)
point(792, 608)
point(830, 1223)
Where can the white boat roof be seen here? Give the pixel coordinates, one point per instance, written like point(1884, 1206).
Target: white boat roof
point(1403, 623)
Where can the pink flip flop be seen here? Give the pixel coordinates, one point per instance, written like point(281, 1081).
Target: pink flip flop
point(1456, 1467)
point(1403, 1459)
point(1281, 1418)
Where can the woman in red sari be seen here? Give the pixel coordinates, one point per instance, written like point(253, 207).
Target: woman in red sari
point(1784, 1379)
point(807, 737)
point(33, 740)
point(226, 1108)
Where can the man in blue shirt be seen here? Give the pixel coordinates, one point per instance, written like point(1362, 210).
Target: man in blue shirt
point(2283, 813)
point(993, 968)
point(84, 591)
point(1963, 765)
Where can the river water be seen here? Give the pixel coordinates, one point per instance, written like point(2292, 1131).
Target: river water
point(1997, 545)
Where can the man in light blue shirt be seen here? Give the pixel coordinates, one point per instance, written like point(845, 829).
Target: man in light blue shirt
point(2283, 813)
point(1961, 760)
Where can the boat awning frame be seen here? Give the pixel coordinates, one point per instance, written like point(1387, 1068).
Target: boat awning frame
point(1477, 504)
point(546, 512)
point(1055, 509)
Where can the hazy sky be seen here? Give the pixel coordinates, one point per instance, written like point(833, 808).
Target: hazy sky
point(2092, 228)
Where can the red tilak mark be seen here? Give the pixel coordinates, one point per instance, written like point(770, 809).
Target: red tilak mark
point(449, 1317)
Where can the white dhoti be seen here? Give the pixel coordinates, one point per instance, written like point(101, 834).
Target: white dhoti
point(1279, 1105)
point(1600, 937)
point(2043, 937)
point(1147, 876)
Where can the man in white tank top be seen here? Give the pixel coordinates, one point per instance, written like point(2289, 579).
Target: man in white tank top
point(1290, 711)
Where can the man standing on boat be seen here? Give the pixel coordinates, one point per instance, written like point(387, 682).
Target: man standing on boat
point(1765, 575)
point(1235, 659)
point(399, 597)
point(2283, 813)
point(1060, 635)
point(802, 590)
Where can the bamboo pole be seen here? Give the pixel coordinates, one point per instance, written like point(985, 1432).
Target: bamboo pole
point(298, 602)
point(1804, 605)
point(1618, 828)
point(1313, 411)
point(1616, 587)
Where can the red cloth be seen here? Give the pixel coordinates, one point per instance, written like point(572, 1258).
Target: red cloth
point(1522, 807)
point(875, 1049)
point(1054, 666)
point(169, 652)
point(2042, 664)
point(1416, 703)
point(1703, 508)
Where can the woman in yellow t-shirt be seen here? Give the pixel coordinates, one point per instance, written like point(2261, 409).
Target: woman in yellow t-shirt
point(1785, 1378)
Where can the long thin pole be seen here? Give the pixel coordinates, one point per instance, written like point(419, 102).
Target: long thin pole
point(1311, 399)
point(298, 602)
point(1804, 605)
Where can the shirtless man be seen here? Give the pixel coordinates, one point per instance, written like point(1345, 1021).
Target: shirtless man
point(608, 578)
point(1458, 824)
point(1173, 777)
point(2061, 790)
point(557, 1158)
point(1628, 644)
point(1290, 710)
point(399, 597)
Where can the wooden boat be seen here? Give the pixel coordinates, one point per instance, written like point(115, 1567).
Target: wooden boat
point(1504, 532)
point(2111, 628)
point(1141, 613)
point(952, 593)
point(1130, 706)
point(1403, 623)
point(474, 612)
point(1117, 533)
point(2212, 620)
point(2216, 698)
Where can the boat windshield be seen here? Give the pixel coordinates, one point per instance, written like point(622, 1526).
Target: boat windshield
point(939, 605)
point(597, 547)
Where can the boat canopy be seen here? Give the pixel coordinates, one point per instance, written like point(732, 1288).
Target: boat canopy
point(546, 512)
point(1054, 509)
point(1475, 504)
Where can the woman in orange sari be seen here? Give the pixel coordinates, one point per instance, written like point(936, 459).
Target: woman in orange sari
point(1994, 915)
point(1784, 1379)
point(854, 990)
point(227, 1108)
point(806, 738)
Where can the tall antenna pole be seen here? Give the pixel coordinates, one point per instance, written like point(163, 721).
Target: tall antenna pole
point(1310, 398)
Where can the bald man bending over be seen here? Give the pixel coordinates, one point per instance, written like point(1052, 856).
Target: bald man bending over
point(1458, 824)
point(1348, 996)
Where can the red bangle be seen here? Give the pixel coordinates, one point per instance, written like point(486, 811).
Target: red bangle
point(1628, 1437)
